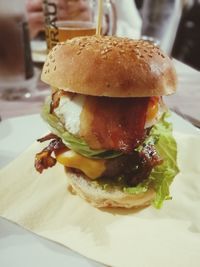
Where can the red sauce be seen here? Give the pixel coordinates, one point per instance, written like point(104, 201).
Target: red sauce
point(114, 123)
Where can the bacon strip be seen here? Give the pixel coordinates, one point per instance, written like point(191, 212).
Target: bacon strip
point(44, 159)
point(114, 123)
point(47, 137)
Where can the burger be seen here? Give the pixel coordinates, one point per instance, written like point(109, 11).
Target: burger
point(108, 122)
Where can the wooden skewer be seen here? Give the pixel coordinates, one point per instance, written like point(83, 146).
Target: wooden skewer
point(100, 14)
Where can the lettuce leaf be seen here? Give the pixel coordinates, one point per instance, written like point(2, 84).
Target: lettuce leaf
point(162, 175)
point(73, 142)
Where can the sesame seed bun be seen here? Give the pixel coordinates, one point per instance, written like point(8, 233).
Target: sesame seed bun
point(101, 198)
point(110, 66)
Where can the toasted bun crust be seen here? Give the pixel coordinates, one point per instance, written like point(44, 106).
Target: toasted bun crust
point(110, 66)
point(102, 199)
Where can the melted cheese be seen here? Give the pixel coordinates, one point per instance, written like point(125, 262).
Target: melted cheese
point(91, 167)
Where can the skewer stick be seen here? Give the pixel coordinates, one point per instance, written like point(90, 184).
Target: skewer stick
point(100, 14)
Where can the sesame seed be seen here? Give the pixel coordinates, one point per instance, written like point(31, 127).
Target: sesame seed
point(108, 85)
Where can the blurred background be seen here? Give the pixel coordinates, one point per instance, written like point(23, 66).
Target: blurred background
point(30, 28)
point(186, 44)
point(175, 22)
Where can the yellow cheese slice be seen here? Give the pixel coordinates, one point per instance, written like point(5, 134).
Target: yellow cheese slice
point(93, 168)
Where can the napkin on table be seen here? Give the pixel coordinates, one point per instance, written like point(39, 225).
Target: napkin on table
point(116, 237)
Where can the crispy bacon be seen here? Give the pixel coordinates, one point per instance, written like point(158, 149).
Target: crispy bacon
point(47, 137)
point(44, 159)
point(114, 123)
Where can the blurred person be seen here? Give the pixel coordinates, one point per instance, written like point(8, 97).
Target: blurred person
point(70, 9)
point(128, 19)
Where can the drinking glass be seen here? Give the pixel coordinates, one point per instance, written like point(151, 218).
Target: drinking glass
point(65, 19)
point(160, 22)
point(16, 67)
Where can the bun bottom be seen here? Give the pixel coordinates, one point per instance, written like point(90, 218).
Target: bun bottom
point(100, 198)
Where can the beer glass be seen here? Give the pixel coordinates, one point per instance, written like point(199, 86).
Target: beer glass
point(16, 68)
point(65, 19)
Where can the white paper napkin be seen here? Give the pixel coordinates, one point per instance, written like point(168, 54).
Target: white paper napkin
point(148, 237)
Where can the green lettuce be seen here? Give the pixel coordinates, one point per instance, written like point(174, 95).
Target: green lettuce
point(73, 142)
point(162, 175)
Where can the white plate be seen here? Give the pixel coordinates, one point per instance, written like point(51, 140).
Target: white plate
point(18, 247)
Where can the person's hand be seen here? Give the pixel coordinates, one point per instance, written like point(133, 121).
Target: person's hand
point(67, 10)
point(74, 10)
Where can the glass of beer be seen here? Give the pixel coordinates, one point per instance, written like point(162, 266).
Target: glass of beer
point(65, 19)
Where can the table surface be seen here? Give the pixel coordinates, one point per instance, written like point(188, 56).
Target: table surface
point(186, 100)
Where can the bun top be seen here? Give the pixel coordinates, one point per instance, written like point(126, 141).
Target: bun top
point(110, 66)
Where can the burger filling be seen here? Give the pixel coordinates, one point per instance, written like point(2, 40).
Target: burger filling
point(112, 141)
point(116, 124)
